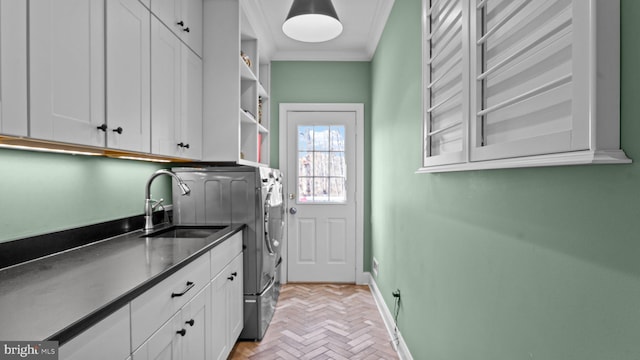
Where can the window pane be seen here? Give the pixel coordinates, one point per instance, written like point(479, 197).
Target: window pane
point(305, 163)
point(337, 138)
point(321, 163)
point(305, 189)
point(305, 138)
point(338, 164)
point(321, 190)
point(321, 138)
point(338, 191)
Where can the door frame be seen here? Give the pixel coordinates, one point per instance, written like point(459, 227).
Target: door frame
point(358, 108)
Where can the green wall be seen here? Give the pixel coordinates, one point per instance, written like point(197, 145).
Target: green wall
point(539, 263)
point(45, 192)
point(325, 82)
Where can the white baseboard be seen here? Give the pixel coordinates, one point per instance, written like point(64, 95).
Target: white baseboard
point(398, 341)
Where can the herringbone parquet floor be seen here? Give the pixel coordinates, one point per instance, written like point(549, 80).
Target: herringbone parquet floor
point(322, 321)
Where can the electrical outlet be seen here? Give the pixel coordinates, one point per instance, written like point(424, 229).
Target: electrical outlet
point(375, 267)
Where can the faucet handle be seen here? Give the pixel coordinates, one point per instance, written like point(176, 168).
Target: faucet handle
point(156, 203)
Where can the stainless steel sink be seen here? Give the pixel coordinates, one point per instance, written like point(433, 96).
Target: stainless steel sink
point(186, 231)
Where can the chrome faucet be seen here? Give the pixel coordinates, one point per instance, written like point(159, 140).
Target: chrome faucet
point(149, 204)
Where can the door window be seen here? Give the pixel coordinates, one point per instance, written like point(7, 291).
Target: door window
point(322, 168)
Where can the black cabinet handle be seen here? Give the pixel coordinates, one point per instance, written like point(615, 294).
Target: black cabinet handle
point(186, 29)
point(234, 274)
point(231, 278)
point(118, 130)
point(186, 146)
point(180, 23)
point(183, 145)
point(189, 286)
point(182, 332)
point(190, 322)
point(102, 127)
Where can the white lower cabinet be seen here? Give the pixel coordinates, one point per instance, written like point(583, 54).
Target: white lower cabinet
point(236, 303)
point(194, 314)
point(195, 321)
point(202, 326)
point(184, 336)
point(107, 340)
point(164, 343)
point(227, 308)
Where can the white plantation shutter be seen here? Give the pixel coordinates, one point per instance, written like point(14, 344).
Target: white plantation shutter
point(526, 96)
point(446, 57)
point(516, 83)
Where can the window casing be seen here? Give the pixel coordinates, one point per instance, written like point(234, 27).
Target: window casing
point(517, 83)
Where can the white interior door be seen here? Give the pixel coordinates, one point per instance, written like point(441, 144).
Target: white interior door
point(321, 196)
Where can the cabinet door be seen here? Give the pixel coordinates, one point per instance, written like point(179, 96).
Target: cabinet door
point(109, 340)
point(128, 76)
point(165, 98)
point(196, 321)
point(66, 62)
point(191, 126)
point(164, 344)
point(192, 31)
point(236, 301)
point(13, 67)
point(169, 12)
point(219, 325)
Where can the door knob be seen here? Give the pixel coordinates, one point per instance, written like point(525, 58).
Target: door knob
point(293, 211)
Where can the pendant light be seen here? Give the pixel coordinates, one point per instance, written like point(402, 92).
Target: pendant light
point(312, 21)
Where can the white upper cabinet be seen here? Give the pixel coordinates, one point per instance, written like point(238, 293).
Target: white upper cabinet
point(165, 99)
point(176, 101)
point(191, 100)
point(13, 67)
point(67, 78)
point(183, 18)
point(128, 76)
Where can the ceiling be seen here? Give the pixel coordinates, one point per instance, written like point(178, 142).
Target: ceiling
point(363, 22)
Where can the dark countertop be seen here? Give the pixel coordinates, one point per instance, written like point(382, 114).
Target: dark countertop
point(59, 296)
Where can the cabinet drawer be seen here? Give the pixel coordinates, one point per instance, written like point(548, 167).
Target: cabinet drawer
point(151, 309)
point(222, 254)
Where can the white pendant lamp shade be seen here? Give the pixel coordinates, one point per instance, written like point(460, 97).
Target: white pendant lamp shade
point(312, 21)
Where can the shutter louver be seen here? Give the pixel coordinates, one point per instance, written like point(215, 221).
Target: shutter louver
point(446, 76)
point(524, 79)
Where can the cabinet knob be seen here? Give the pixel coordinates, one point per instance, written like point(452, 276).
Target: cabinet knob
point(190, 322)
point(118, 130)
point(231, 278)
point(186, 29)
point(182, 332)
point(234, 274)
point(102, 127)
point(180, 23)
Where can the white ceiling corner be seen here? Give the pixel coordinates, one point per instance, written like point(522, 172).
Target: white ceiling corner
point(363, 21)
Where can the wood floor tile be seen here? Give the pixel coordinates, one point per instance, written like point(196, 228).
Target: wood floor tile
point(322, 322)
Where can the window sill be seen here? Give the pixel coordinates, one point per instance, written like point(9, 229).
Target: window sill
point(561, 159)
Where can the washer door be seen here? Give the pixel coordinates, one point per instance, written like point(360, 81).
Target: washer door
point(274, 219)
